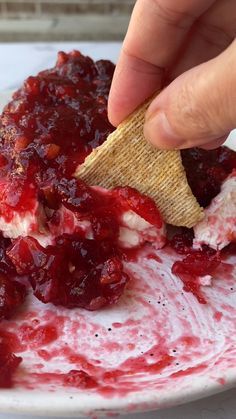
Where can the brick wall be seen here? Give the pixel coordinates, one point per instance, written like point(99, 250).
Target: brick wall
point(30, 20)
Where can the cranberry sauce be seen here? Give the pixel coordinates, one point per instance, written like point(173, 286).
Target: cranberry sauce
point(76, 271)
point(12, 292)
point(206, 170)
point(195, 264)
point(8, 364)
point(53, 122)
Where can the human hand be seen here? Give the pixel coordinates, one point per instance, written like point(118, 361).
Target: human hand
point(188, 42)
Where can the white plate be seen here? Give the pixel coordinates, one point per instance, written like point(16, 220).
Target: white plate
point(154, 324)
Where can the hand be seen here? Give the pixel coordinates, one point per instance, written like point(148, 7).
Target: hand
point(188, 42)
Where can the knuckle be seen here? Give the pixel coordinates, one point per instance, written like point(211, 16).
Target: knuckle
point(215, 35)
point(172, 16)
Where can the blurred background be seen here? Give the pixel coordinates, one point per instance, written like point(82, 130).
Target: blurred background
point(63, 20)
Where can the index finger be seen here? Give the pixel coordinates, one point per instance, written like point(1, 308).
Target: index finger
point(155, 34)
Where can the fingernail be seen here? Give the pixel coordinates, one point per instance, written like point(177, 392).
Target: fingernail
point(160, 133)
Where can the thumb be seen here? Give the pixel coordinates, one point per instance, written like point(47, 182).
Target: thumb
point(196, 109)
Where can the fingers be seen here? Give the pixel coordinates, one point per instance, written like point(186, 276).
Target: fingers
point(197, 108)
point(214, 144)
point(210, 35)
point(134, 80)
point(156, 31)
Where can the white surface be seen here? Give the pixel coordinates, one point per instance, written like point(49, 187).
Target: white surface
point(18, 61)
point(221, 406)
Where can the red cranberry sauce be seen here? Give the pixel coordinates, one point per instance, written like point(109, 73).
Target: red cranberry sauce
point(12, 295)
point(76, 271)
point(12, 292)
point(8, 364)
point(101, 207)
point(53, 122)
point(79, 379)
point(195, 264)
point(141, 204)
point(206, 170)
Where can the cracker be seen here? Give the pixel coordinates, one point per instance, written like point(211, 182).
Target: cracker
point(126, 158)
